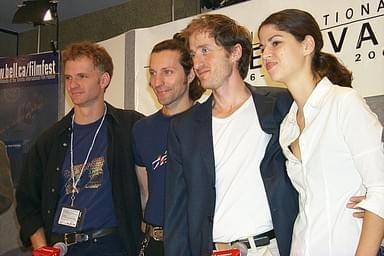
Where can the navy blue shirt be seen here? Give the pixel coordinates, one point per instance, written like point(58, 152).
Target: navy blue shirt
point(95, 190)
point(150, 136)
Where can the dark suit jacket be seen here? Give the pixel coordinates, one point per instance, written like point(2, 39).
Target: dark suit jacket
point(190, 178)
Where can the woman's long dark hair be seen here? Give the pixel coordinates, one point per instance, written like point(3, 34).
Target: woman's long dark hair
point(300, 24)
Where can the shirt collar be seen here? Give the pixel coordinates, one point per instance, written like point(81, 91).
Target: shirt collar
point(314, 101)
point(319, 93)
point(66, 121)
point(112, 113)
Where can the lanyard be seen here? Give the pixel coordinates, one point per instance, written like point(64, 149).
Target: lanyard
point(75, 182)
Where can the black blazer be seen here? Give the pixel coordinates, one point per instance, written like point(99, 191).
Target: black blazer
point(190, 177)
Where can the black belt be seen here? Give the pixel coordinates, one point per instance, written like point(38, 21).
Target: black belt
point(260, 240)
point(79, 237)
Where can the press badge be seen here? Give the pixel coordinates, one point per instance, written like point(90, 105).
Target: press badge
point(70, 217)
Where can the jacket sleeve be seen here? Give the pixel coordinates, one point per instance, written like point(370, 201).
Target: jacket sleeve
point(176, 240)
point(28, 196)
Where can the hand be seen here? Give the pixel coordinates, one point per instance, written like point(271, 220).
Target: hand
point(38, 239)
point(353, 201)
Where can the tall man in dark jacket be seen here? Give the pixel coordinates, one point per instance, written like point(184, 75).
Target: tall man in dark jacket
point(79, 184)
point(226, 183)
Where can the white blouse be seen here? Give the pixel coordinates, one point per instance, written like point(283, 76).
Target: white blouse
point(341, 156)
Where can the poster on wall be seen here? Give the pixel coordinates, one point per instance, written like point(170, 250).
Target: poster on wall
point(352, 30)
point(29, 96)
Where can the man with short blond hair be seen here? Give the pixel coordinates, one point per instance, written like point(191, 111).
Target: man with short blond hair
point(79, 185)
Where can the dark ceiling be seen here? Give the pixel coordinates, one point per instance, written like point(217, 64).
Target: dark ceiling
point(66, 9)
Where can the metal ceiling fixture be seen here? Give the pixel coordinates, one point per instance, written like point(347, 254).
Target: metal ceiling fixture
point(39, 12)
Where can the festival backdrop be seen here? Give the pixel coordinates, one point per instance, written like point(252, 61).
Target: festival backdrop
point(29, 96)
point(352, 30)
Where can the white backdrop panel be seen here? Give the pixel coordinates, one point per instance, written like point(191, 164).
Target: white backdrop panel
point(352, 29)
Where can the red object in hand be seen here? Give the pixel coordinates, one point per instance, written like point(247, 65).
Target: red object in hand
point(46, 251)
point(229, 252)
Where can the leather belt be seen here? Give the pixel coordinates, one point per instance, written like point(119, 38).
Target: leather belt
point(156, 232)
point(79, 237)
point(260, 240)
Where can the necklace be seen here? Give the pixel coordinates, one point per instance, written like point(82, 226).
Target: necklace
point(74, 180)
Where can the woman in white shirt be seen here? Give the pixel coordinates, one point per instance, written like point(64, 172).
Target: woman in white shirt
point(331, 139)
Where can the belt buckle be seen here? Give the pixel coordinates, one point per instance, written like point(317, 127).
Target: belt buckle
point(74, 238)
point(157, 233)
point(262, 241)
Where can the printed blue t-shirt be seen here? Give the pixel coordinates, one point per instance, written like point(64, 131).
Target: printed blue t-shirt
point(150, 136)
point(95, 188)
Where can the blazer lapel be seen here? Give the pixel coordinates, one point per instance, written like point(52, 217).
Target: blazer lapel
point(265, 106)
point(204, 137)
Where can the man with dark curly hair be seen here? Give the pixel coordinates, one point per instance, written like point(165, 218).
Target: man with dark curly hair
point(176, 87)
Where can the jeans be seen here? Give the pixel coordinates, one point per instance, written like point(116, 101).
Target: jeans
point(151, 247)
point(381, 251)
